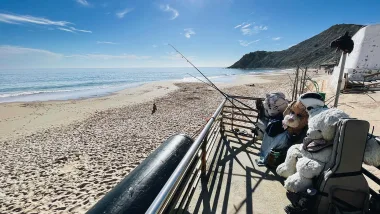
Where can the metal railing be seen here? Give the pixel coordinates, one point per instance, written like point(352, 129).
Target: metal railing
point(226, 122)
point(181, 184)
point(172, 184)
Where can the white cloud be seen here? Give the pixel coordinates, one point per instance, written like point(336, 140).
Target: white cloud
point(24, 57)
point(65, 29)
point(19, 19)
point(84, 31)
point(107, 57)
point(276, 38)
point(175, 56)
point(188, 32)
point(73, 30)
point(261, 27)
point(248, 29)
point(239, 25)
point(108, 43)
point(25, 19)
point(174, 12)
point(245, 26)
point(122, 13)
point(247, 43)
point(8, 50)
point(83, 2)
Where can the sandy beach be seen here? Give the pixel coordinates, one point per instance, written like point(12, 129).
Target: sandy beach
point(63, 156)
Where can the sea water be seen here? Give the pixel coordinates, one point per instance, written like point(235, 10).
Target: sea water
point(25, 85)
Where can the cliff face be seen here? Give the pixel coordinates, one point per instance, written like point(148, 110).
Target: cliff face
point(311, 52)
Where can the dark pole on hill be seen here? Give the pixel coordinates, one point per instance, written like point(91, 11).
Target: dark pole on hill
point(340, 79)
point(345, 44)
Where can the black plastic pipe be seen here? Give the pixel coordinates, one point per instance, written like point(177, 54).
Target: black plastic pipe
point(135, 193)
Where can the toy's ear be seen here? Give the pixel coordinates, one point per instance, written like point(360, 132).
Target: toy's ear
point(287, 110)
point(267, 95)
point(331, 121)
point(280, 94)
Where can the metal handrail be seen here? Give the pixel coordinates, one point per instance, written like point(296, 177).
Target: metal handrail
point(165, 195)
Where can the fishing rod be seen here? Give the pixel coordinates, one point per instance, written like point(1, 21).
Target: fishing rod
point(211, 83)
point(201, 80)
point(213, 86)
point(216, 88)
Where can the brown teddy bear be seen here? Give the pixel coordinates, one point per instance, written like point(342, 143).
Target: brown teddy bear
point(273, 149)
point(296, 118)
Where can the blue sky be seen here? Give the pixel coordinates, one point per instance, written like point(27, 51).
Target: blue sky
point(117, 33)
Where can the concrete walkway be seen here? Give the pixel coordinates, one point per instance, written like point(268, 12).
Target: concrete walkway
point(235, 184)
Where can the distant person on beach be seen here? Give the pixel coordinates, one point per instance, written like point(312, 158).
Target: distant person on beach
point(154, 108)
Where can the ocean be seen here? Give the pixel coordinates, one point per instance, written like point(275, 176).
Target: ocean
point(26, 85)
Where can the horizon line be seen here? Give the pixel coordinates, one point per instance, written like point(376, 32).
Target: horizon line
point(115, 67)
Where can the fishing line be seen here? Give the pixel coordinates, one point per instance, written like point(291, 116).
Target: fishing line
point(201, 80)
point(216, 88)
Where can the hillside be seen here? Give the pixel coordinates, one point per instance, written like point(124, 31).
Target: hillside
point(311, 52)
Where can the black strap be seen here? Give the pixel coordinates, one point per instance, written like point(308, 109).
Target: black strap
point(323, 194)
point(339, 200)
point(351, 207)
point(345, 174)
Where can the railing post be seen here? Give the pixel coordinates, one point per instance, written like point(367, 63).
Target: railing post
point(165, 196)
point(232, 115)
point(221, 124)
point(204, 153)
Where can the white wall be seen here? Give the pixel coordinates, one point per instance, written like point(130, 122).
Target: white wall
point(364, 58)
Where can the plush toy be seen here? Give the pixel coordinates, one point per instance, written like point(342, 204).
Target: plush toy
point(307, 160)
point(372, 151)
point(274, 106)
point(296, 118)
point(290, 131)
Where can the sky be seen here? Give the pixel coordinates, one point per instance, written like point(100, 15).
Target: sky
point(126, 33)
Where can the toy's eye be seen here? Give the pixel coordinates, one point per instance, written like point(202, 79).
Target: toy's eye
point(300, 116)
point(319, 131)
point(291, 112)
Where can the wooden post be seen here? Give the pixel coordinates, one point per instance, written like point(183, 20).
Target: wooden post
point(301, 82)
point(295, 85)
point(304, 81)
point(340, 80)
point(296, 93)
